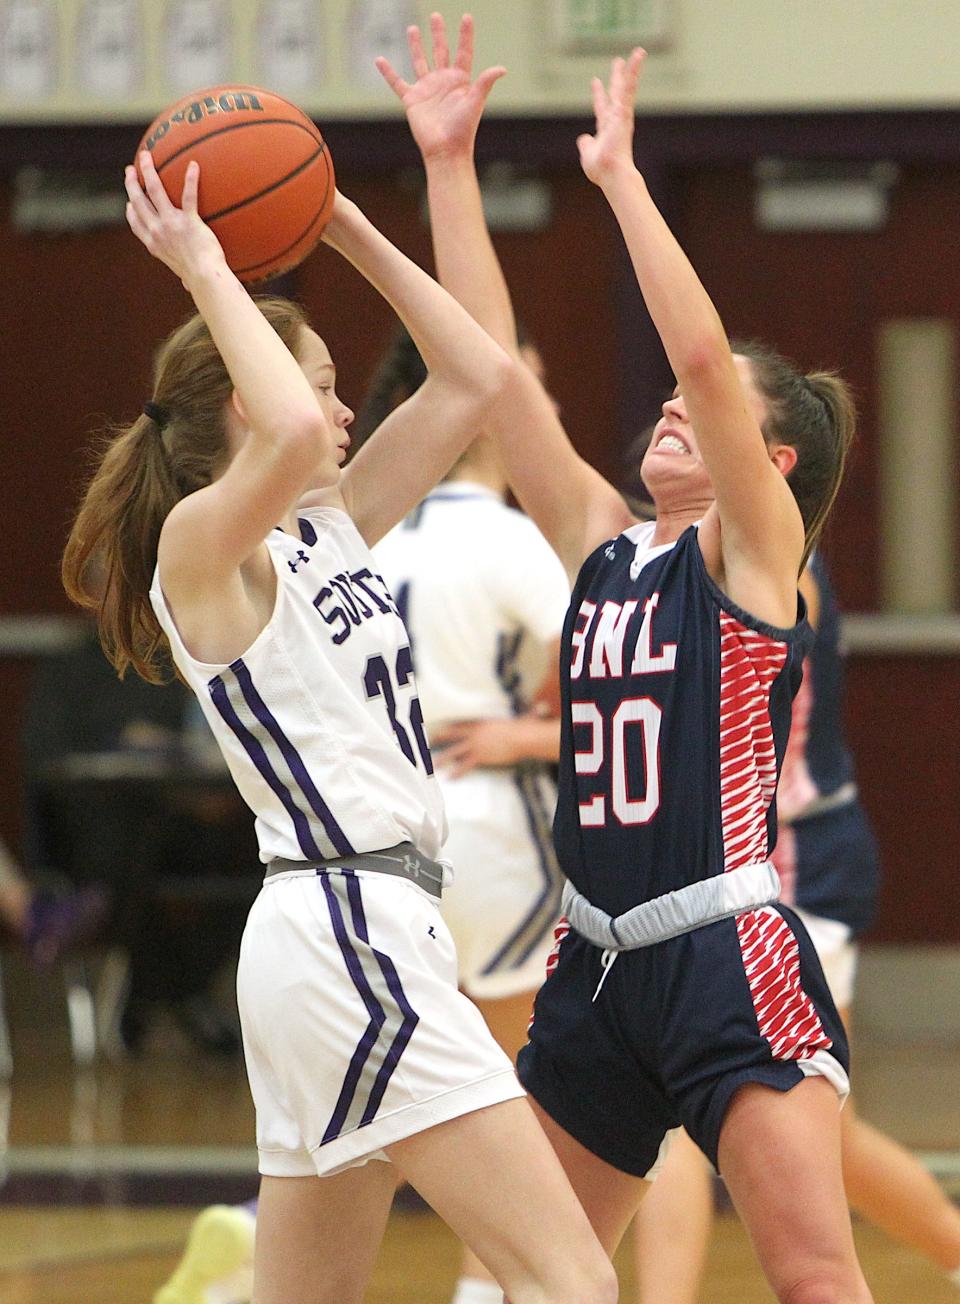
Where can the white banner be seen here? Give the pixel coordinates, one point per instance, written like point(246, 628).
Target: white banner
point(196, 45)
point(28, 48)
point(289, 48)
point(109, 48)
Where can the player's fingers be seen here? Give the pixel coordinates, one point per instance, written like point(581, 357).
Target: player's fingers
point(441, 50)
point(417, 56)
point(390, 75)
point(599, 98)
point(138, 202)
point(635, 64)
point(487, 78)
point(136, 224)
point(191, 187)
point(464, 59)
point(152, 183)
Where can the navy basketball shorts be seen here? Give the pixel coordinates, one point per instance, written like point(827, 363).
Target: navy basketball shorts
point(675, 1030)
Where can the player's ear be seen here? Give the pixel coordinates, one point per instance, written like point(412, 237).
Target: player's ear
point(783, 457)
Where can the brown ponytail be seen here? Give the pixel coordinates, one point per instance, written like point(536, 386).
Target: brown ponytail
point(140, 472)
point(815, 414)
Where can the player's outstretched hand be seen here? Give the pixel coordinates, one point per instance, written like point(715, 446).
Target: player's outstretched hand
point(611, 146)
point(443, 105)
point(178, 237)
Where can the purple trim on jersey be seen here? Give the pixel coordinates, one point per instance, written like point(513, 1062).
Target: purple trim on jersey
point(378, 1017)
point(547, 903)
point(308, 534)
point(254, 749)
point(293, 759)
point(410, 1016)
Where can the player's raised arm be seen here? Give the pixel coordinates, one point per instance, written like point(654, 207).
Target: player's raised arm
point(466, 372)
point(573, 505)
point(289, 440)
point(761, 525)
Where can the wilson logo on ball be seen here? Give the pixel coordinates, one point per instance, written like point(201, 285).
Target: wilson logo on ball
point(228, 102)
point(266, 178)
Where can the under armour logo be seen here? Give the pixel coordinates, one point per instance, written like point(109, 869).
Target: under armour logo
point(431, 932)
point(411, 866)
point(301, 556)
point(610, 551)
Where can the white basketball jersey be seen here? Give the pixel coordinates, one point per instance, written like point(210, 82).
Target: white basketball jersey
point(319, 720)
point(482, 594)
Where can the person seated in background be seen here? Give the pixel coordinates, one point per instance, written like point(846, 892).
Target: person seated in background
point(48, 920)
point(128, 832)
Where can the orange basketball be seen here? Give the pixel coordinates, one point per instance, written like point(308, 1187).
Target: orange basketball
point(266, 177)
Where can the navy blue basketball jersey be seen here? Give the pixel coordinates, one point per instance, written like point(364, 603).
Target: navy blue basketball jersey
point(828, 757)
point(677, 709)
point(827, 859)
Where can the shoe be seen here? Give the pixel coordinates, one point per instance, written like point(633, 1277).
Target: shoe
point(207, 1027)
point(58, 922)
point(217, 1265)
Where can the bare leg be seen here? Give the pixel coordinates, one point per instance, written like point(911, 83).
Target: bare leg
point(609, 1196)
point(507, 1019)
point(494, 1180)
point(318, 1237)
point(891, 1189)
point(780, 1157)
point(673, 1225)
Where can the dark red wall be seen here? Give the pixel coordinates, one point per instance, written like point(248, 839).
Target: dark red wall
point(83, 313)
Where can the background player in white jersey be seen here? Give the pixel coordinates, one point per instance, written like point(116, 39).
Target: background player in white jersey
point(682, 651)
point(483, 597)
point(227, 532)
point(827, 861)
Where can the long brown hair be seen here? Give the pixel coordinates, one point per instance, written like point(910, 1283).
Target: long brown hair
point(140, 472)
point(815, 414)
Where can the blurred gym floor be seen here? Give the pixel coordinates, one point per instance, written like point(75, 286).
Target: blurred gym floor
point(103, 1168)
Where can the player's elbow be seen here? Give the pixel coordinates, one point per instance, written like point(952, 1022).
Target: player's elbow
point(494, 378)
point(705, 356)
point(304, 437)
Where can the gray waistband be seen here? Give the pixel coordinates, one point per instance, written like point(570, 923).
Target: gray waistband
point(845, 795)
point(403, 861)
point(719, 897)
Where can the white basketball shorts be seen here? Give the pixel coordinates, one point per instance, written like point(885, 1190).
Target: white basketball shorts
point(354, 1032)
point(504, 902)
point(838, 952)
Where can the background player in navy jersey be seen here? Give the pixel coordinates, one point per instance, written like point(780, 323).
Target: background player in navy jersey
point(827, 860)
point(227, 533)
point(683, 993)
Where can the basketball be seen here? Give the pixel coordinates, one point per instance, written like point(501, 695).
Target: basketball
point(266, 177)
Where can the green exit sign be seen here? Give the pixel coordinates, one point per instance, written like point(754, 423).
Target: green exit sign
point(614, 25)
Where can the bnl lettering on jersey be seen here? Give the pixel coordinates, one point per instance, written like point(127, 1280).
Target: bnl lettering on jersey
point(600, 650)
point(351, 597)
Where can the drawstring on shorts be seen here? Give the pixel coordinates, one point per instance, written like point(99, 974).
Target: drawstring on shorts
point(606, 961)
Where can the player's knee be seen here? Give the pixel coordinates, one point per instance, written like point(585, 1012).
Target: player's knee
point(825, 1284)
point(597, 1283)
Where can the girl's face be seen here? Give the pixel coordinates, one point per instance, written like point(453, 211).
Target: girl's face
point(317, 365)
point(672, 463)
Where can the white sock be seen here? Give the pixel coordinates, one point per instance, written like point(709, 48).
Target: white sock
point(471, 1290)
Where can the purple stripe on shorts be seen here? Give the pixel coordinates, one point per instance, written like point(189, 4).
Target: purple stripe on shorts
point(254, 749)
point(376, 1011)
point(410, 1016)
point(547, 902)
point(293, 759)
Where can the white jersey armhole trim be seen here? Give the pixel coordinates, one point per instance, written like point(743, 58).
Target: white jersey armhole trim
point(262, 637)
